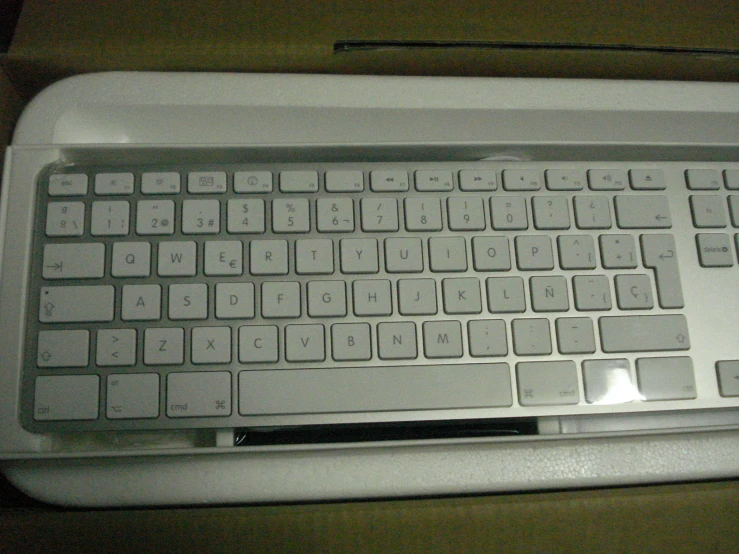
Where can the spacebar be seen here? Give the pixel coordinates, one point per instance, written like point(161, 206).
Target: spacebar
point(373, 389)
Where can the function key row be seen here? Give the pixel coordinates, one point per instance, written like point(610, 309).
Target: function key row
point(262, 182)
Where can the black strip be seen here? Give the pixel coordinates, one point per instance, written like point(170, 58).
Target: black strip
point(366, 45)
point(378, 432)
point(10, 11)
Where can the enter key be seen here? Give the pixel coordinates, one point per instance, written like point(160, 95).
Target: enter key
point(659, 254)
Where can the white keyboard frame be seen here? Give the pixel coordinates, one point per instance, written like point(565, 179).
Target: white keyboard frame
point(406, 117)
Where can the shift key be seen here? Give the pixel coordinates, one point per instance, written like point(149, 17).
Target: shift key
point(76, 304)
point(644, 333)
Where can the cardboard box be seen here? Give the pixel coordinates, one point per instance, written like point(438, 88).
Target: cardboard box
point(682, 39)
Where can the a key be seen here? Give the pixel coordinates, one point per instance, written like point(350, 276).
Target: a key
point(388, 181)
point(521, 179)
point(644, 333)
point(132, 396)
point(351, 342)
point(647, 179)
point(534, 252)
point(314, 257)
point(224, 257)
point(372, 297)
point(66, 397)
point(359, 256)
point(258, 344)
point(141, 302)
point(211, 345)
point(703, 179)
point(549, 294)
point(491, 254)
point(447, 254)
point(116, 347)
point(109, 218)
point(113, 184)
point(235, 300)
point(298, 181)
point(403, 255)
point(531, 337)
point(155, 217)
point(188, 301)
point(422, 214)
point(478, 180)
point(550, 212)
point(547, 383)
point(618, 251)
point(417, 296)
point(160, 183)
point(714, 250)
point(442, 339)
point(565, 179)
point(63, 348)
point(487, 337)
point(304, 343)
point(608, 381)
point(68, 184)
point(379, 214)
point(434, 181)
point(344, 181)
point(505, 295)
point(76, 304)
point(199, 394)
point(245, 216)
point(397, 341)
point(74, 261)
point(268, 257)
point(592, 212)
point(607, 179)
point(576, 252)
point(65, 219)
point(327, 299)
point(201, 217)
point(592, 292)
point(206, 182)
point(335, 215)
point(253, 182)
point(290, 215)
point(462, 296)
point(575, 335)
point(666, 378)
point(634, 292)
point(659, 254)
point(642, 211)
point(164, 346)
point(508, 213)
point(177, 259)
point(281, 299)
point(131, 259)
point(465, 213)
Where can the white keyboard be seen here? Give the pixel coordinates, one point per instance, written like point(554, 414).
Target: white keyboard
point(462, 284)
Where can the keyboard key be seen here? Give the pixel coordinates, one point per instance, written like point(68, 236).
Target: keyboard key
point(703, 179)
point(65, 219)
point(359, 256)
point(576, 252)
point(314, 257)
point(447, 254)
point(74, 261)
point(199, 394)
point(188, 301)
point(550, 212)
point(113, 184)
point(666, 378)
point(141, 303)
point(327, 299)
point(344, 181)
point(164, 346)
point(608, 381)
point(235, 300)
point(734, 209)
point(417, 297)
point(618, 251)
point(487, 337)
point(547, 383)
point(155, 217)
point(65, 348)
point(442, 339)
point(131, 259)
point(245, 216)
point(565, 179)
point(177, 259)
point(351, 342)
point(160, 183)
point(644, 333)
point(379, 214)
point(549, 294)
point(592, 212)
point(132, 396)
point(505, 295)
point(434, 181)
point(534, 252)
point(714, 250)
point(575, 335)
point(403, 255)
point(66, 397)
point(211, 345)
point(68, 184)
point(335, 215)
point(531, 337)
point(372, 297)
point(465, 213)
point(268, 257)
point(634, 292)
point(116, 347)
point(422, 214)
point(281, 299)
point(290, 215)
point(521, 179)
point(258, 344)
point(647, 179)
point(206, 182)
point(63, 305)
point(363, 389)
point(607, 179)
point(397, 341)
point(491, 254)
point(304, 343)
point(388, 181)
point(201, 217)
point(592, 292)
point(252, 182)
point(462, 296)
point(642, 212)
point(478, 180)
point(224, 257)
point(298, 181)
point(728, 377)
point(731, 177)
point(658, 253)
point(508, 213)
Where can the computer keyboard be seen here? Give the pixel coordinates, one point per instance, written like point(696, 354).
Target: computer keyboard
point(223, 295)
point(222, 288)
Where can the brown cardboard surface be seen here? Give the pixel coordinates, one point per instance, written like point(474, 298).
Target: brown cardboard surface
point(679, 39)
point(674, 519)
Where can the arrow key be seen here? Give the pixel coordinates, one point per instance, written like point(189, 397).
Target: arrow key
point(637, 211)
point(74, 261)
point(116, 347)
